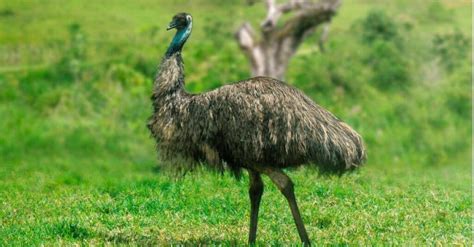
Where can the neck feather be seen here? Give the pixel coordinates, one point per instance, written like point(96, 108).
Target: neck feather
point(170, 77)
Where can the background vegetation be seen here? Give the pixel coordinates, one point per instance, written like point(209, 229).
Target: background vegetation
point(77, 163)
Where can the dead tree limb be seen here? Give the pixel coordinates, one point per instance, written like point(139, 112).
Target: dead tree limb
point(270, 54)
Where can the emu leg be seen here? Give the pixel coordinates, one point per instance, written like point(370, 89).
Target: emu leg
point(285, 185)
point(255, 194)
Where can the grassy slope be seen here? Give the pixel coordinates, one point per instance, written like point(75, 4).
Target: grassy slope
point(76, 163)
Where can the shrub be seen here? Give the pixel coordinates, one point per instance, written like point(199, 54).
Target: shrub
point(458, 92)
point(73, 59)
point(6, 12)
point(451, 48)
point(385, 53)
point(126, 75)
point(389, 66)
point(377, 25)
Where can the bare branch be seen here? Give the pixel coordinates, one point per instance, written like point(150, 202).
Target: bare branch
point(245, 36)
point(270, 4)
point(246, 39)
point(307, 19)
point(275, 11)
point(324, 36)
point(273, 14)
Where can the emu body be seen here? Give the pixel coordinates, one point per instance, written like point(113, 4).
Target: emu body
point(259, 124)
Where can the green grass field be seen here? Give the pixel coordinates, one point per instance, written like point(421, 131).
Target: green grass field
point(77, 165)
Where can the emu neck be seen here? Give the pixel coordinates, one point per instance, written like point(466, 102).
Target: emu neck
point(169, 82)
point(170, 78)
point(179, 39)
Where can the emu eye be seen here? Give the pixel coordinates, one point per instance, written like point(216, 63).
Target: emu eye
point(189, 18)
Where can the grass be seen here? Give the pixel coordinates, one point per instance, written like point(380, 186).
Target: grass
point(93, 201)
point(77, 165)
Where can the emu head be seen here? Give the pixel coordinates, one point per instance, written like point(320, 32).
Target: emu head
point(180, 21)
point(183, 22)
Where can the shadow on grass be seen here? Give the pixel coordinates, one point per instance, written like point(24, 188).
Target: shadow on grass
point(206, 241)
point(151, 240)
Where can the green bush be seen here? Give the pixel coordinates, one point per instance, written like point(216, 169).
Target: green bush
point(377, 25)
point(385, 51)
point(126, 76)
point(458, 92)
point(72, 61)
point(451, 48)
point(389, 66)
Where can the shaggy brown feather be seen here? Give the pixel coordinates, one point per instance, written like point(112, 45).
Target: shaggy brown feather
point(258, 122)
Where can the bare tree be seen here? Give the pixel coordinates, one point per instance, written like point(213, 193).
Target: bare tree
point(271, 54)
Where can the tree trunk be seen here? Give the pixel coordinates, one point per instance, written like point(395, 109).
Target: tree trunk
point(270, 55)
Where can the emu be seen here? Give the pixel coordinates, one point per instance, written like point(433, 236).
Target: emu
point(260, 124)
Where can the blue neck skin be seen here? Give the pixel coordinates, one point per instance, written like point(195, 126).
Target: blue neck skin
point(179, 40)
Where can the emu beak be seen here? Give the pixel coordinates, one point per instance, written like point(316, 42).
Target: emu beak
point(171, 26)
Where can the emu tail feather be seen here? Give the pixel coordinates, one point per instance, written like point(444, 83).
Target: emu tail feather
point(340, 149)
